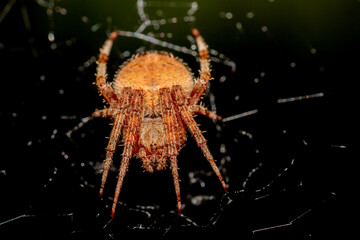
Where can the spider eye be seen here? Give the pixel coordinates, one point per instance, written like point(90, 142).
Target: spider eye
point(153, 146)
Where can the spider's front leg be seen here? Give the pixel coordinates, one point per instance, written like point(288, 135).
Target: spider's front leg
point(136, 112)
point(121, 114)
point(104, 87)
point(171, 125)
point(183, 107)
point(201, 83)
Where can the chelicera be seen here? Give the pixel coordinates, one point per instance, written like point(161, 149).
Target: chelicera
point(152, 100)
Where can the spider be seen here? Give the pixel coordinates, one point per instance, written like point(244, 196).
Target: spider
point(152, 100)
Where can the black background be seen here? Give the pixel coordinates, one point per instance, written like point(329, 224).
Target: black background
point(302, 150)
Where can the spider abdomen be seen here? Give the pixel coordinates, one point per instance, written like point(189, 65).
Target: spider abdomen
point(152, 71)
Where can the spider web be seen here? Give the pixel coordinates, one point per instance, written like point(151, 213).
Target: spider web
point(282, 74)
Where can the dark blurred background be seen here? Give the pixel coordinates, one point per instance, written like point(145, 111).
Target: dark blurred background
point(288, 165)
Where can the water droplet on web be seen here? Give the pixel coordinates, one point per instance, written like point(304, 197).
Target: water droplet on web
point(222, 79)
point(159, 12)
point(84, 19)
point(51, 36)
point(250, 15)
point(228, 15)
point(222, 148)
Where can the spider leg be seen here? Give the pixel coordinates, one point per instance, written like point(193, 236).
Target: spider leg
point(106, 112)
point(104, 87)
point(201, 83)
point(171, 124)
point(200, 109)
point(115, 133)
point(135, 119)
point(185, 113)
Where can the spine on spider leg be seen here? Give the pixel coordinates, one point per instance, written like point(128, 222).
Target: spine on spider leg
point(199, 87)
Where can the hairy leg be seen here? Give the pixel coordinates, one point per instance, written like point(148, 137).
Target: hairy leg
point(103, 86)
point(201, 83)
point(200, 109)
point(135, 119)
point(171, 124)
point(106, 112)
point(184, 110)
point(115, 133)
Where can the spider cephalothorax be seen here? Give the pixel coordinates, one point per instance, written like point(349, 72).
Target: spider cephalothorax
point(153, 99)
